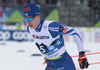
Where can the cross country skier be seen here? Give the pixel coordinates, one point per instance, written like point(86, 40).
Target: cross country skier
point(48, 37)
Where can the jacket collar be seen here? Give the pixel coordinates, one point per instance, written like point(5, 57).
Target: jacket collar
point(38, 29)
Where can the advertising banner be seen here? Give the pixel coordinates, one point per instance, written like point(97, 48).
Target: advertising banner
point(96, 35)
point(87, 35)
point(14, 35)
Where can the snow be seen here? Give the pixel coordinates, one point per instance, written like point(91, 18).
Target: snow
point(18, 55)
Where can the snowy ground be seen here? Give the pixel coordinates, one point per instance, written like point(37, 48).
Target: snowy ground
point(18, 55)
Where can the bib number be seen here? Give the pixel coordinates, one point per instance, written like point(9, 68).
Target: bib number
point(42, 49)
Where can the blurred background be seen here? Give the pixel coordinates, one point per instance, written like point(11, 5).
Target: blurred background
point(80, 13)
point(18, 52)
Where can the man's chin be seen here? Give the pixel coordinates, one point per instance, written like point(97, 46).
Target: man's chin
point(30, 26)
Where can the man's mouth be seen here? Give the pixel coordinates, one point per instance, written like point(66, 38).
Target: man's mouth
point(30, 25)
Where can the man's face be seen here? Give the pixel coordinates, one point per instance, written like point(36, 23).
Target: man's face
point(33, 21)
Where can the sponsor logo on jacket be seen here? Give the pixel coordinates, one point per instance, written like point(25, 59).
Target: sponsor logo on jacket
point(40, 37)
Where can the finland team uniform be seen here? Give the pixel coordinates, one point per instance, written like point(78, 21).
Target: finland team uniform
point(48, 37)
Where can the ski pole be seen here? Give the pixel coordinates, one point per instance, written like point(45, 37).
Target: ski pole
point(87, 54)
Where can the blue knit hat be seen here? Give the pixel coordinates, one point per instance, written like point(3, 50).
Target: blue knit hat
point(31, 9)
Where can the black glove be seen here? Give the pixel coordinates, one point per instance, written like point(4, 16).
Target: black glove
point(83, 60)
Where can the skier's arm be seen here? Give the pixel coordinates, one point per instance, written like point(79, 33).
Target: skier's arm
point(56, 28)
point(59, 29)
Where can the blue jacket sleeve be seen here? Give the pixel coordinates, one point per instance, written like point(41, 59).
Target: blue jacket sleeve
point(56, 28)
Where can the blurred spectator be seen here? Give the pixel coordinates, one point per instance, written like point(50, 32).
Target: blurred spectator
point(94, 4)
point(47, 1)
point(35, 1)
point(3, 3)
point(42, 2)
point(54, 2)
point(91, 3)
point(29, 1)
point(21, 2)
point(82, 1)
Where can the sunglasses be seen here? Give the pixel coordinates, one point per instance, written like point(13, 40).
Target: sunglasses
point(30, 19)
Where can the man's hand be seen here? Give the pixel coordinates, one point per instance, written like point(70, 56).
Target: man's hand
point(44, 61)
point(83, 60)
